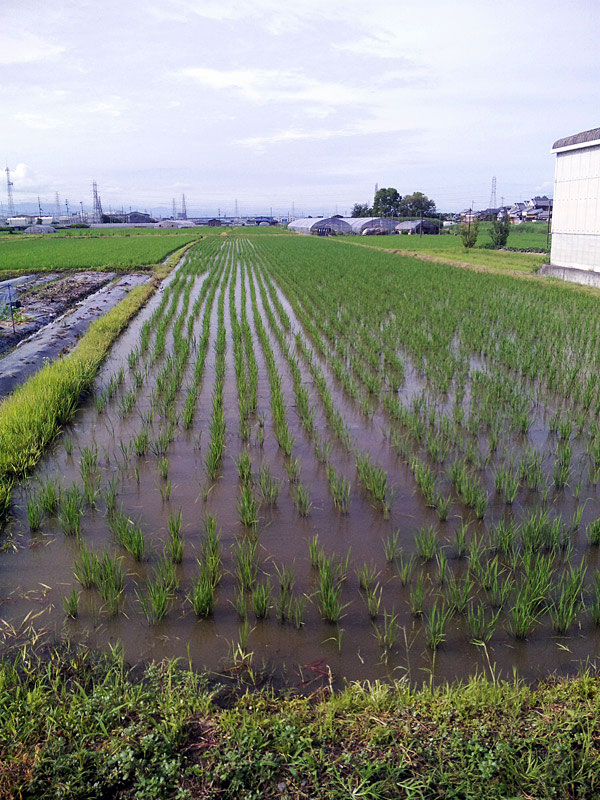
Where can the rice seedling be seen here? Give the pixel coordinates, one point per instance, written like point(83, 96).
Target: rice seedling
point(443, 503)
point(70, 511)
point(459, 592)
point(246, 569)
point(367, 574)
point(71, 604)
point(593, 533)
point(203, 593)
point(49, 496)
point(417, 596)
point(442, 566)
point(244, 468)
point(339, 488)
point(261, 600)
point(373, 600)
point(302, 501)
point(155, 602)
point(568, 600)
point(480, 624)
point(323, 450)
point(86, 568)
point(329, 591)
point(293, 469)
point(595, 605)
point(247, 507)
point(390, 546)
point(387, 633)
point(34, 512)
point(405, 568)
point(175, 544)
point(460, 535)
point(165, 491)
point(162, 465)
point(269, 486)
point(435, 624)
point(68, 444)
point(426, 543)
point(141, 442)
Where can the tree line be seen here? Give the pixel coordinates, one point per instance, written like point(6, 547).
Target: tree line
point(390, 203)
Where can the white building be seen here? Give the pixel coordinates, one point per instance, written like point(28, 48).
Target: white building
point(575, 253)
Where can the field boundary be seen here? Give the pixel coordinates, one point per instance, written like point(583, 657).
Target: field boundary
point(191, 738)
point(32, 416)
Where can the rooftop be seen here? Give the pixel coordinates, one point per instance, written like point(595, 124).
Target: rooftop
point(578, 138)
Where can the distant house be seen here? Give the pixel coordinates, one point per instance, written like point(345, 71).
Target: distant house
point(214, 223)
point(575, 253)
point(137, 216)
point(417, 226)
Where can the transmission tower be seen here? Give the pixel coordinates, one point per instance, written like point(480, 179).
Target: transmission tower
point(39, 207)
point(493, 200)
point(183, 207)
point(236, 208)
point(97, 212)
point(9, 188)
point(174, 215)
point(56, 206)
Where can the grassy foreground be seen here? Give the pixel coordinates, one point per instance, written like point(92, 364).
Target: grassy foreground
point(77, 726)
point(32, 415)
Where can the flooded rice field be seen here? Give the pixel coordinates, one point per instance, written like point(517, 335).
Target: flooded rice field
point(322, 465)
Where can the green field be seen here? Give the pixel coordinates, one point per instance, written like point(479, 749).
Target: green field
point(38, 254)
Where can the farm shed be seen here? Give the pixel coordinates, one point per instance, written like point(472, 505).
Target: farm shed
point(39, 229)
point(575, 253)
point(320, 225)
point(414, 226)
point(367, 225)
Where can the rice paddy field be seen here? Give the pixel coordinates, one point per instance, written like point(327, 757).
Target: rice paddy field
point(21, 254)
point(324, 462)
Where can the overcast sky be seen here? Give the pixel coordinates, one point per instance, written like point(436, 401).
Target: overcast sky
point(306, 103)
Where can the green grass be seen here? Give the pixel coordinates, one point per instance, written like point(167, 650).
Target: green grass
point(450, 248)
point(82, 726)
point(39, 254)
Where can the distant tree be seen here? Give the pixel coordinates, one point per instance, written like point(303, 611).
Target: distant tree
point(361, 210)
point(499, 231)
point(387, 203)
point(415, 204)
point(468, 233)
point(543, 197)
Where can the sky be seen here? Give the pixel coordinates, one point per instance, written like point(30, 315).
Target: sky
point(296, 107)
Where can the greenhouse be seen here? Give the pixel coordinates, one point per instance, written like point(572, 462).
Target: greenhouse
point(320, 225)
point(371, 225)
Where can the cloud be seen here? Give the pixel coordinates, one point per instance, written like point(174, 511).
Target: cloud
point(272, 15)
point(18, 46)
point(264, 86)
point(40, 122)
point(380, 45)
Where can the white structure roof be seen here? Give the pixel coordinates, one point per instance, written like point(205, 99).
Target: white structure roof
point(39, 229)
point(312, 224)
point(360, 224)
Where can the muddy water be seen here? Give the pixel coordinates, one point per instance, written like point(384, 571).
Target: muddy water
point(37, 571)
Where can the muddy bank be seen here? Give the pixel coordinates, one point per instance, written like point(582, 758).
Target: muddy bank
point(38, 299)
point(57, 325)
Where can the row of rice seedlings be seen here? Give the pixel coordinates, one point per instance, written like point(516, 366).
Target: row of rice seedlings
point(214, 454)
point(209, 290)
point(278, 407)
point(244, 407)
point(374, 479)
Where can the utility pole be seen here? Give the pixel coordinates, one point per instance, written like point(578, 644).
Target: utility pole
point(67, 206)
point(421, 228)
point(9, 188)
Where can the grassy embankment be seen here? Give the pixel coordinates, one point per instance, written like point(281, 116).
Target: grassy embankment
point(450, 250)
point(73, 727)
point(32, 416)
